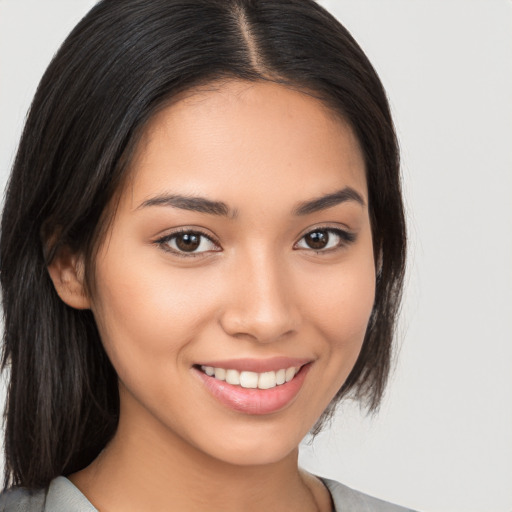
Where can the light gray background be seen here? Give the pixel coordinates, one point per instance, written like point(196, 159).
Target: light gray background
point(443, 439)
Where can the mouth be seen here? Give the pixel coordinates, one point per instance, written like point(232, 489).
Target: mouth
point(252, 380)
point(254, 392)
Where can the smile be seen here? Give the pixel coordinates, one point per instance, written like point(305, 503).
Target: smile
point(252, 380)
point(254, 387)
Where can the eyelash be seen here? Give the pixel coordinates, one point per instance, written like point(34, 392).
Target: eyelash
point(345, 238)
point(165, 240)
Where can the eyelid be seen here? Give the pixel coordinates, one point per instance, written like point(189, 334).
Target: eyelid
point(163, 241)
point(346, 236)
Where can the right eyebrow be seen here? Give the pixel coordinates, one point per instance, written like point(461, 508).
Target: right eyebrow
point(193, 203)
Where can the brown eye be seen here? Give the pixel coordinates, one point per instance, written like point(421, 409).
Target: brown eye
point(317, 239)
point(325, 239)
point(188, 243)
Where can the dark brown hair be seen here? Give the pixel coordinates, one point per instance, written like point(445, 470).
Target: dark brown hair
point(123, 62)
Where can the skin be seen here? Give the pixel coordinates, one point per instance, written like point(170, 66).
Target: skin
point(257, 291)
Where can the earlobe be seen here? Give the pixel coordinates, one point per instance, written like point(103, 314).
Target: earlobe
point(67, 271)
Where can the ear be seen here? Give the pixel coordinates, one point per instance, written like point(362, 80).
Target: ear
point(67, 271)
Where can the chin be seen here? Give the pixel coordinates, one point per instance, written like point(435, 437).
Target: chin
point(255, 452)
point(254, 443)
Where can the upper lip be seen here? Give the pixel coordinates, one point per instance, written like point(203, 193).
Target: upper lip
point(257, 365)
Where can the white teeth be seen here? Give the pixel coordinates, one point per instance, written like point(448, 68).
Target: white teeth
point(249, 380)
point(209, 370)
point(252, 380)
point(220, 373)
point(280, 377)
point(233, 377)
point(290, 373)
point(267, 380)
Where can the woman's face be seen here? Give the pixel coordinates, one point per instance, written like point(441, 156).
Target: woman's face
point(241, 247)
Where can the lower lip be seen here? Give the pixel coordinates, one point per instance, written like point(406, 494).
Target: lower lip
point(255, 401)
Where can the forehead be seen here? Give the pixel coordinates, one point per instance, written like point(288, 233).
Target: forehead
point(237, 136)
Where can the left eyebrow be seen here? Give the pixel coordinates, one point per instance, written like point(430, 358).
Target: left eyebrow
point(328, 201)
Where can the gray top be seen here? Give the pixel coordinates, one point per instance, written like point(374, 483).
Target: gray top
point(63, 496)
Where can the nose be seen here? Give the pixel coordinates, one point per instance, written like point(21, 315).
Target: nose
point(262, 305)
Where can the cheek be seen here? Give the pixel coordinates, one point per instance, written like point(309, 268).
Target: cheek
point(340, 308)
point(150, 317)
point(340, 303)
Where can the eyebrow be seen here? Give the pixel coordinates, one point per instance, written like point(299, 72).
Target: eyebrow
point(193, 203)
point(328, 201)
point(203, 205)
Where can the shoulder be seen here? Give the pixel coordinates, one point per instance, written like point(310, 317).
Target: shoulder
point(60, 496)
point(349, 500)
point(22, 500)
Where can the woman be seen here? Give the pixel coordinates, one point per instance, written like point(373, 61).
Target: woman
point(202, 253)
